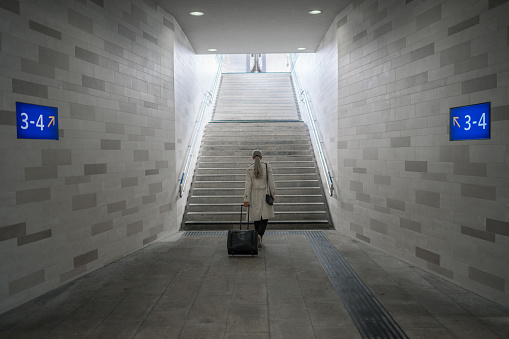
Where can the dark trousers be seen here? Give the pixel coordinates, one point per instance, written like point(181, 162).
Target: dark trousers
point(260, 226)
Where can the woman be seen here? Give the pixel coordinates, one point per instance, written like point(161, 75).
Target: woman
point(255, 191)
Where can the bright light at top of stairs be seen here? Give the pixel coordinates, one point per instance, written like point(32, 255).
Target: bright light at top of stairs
point(196, 13)
point(315, 11)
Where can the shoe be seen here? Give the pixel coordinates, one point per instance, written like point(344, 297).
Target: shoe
point(259, 241)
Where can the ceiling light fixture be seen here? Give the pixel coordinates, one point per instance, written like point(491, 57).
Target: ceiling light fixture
point(196, 13)
point(212, 49)
point(315, 11)
point(301, 48)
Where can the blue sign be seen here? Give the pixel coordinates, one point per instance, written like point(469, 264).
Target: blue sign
point(36, 122)
point(470, 122)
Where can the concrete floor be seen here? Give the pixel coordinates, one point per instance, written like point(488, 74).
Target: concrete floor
point(186, 286)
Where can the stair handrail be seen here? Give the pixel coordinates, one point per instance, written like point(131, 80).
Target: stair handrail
point(208, 98)
point(304, 99)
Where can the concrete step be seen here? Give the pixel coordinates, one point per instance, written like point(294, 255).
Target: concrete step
point(234, 207)
point(273, 225)
point(240, 184)
point(238, 199)
point(273, 164)
point(222, 191)
point(242, 171)
point(235, 216)
point(242, 176)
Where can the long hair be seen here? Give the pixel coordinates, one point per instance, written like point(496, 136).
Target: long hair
point(258, 169)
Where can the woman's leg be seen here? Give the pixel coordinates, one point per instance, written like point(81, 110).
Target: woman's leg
point(257, 225)
point(262, 225)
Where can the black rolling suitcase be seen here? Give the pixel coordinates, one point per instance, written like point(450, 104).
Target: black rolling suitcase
point(242, 241)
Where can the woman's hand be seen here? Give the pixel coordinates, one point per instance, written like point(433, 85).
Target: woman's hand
point(246, 204)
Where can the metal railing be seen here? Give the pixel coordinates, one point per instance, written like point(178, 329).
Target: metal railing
point(208, 98)
point(303, 97)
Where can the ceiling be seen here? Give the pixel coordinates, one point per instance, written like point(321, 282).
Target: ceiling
point(248, 26)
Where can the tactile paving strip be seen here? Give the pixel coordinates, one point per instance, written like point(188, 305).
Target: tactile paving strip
point(370, 317)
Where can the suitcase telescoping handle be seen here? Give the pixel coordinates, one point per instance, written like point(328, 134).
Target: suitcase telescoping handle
point(240, 227)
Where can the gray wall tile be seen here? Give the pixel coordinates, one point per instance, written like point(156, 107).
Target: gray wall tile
point(128, 182)
point(382, 180)
point(477, 62)
point(472, 232)
point(7, 118)
point(155, 188)
point(416, 166)
point(347, 206)
point(13, 231)
point(479, 84)
point(427, 198)
point(26, 282)
point(360, 35)
point(430, 16)
point(107, 144)
point(400, 142)
point(126, 32)
point(93, 169)
point(395, 204)
point(34, 237)
point(80, 21)
point(341, 22)
point(455, 54)
point(93, 83)
point(86, 258)
point(463, 25)
point(102, 227)
point(84, 201)
point(33, 195)
point(86, 55)
point(487, 279)
point(134, 228)
point(422, 52)
point(500, 113)
point(141, 155)
point(410, 225)
point(45, 30)
point(11, 6)
point(29, 88)
point(117, 206)
point(113, 49)
point(478, 191)
point(471, 169)
point(168, 24)
point(429, 256)
point(53, 58)
point(39, 173)
point(497, 226)
point(55, 157)
point(495, 3)
point(36, 68)
point(378, 226)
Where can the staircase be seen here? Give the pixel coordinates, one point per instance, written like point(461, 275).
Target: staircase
point(256, 96)
point(274, 128)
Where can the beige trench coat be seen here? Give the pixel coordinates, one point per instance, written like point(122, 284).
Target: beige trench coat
point(255, 191)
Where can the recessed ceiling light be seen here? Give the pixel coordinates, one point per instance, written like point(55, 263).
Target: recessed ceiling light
point(196, 13)
point(301, 48)
point(212, 49)
point(315, 11)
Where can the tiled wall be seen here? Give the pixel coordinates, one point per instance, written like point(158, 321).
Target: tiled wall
point(107, 187)
point(404, 187)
